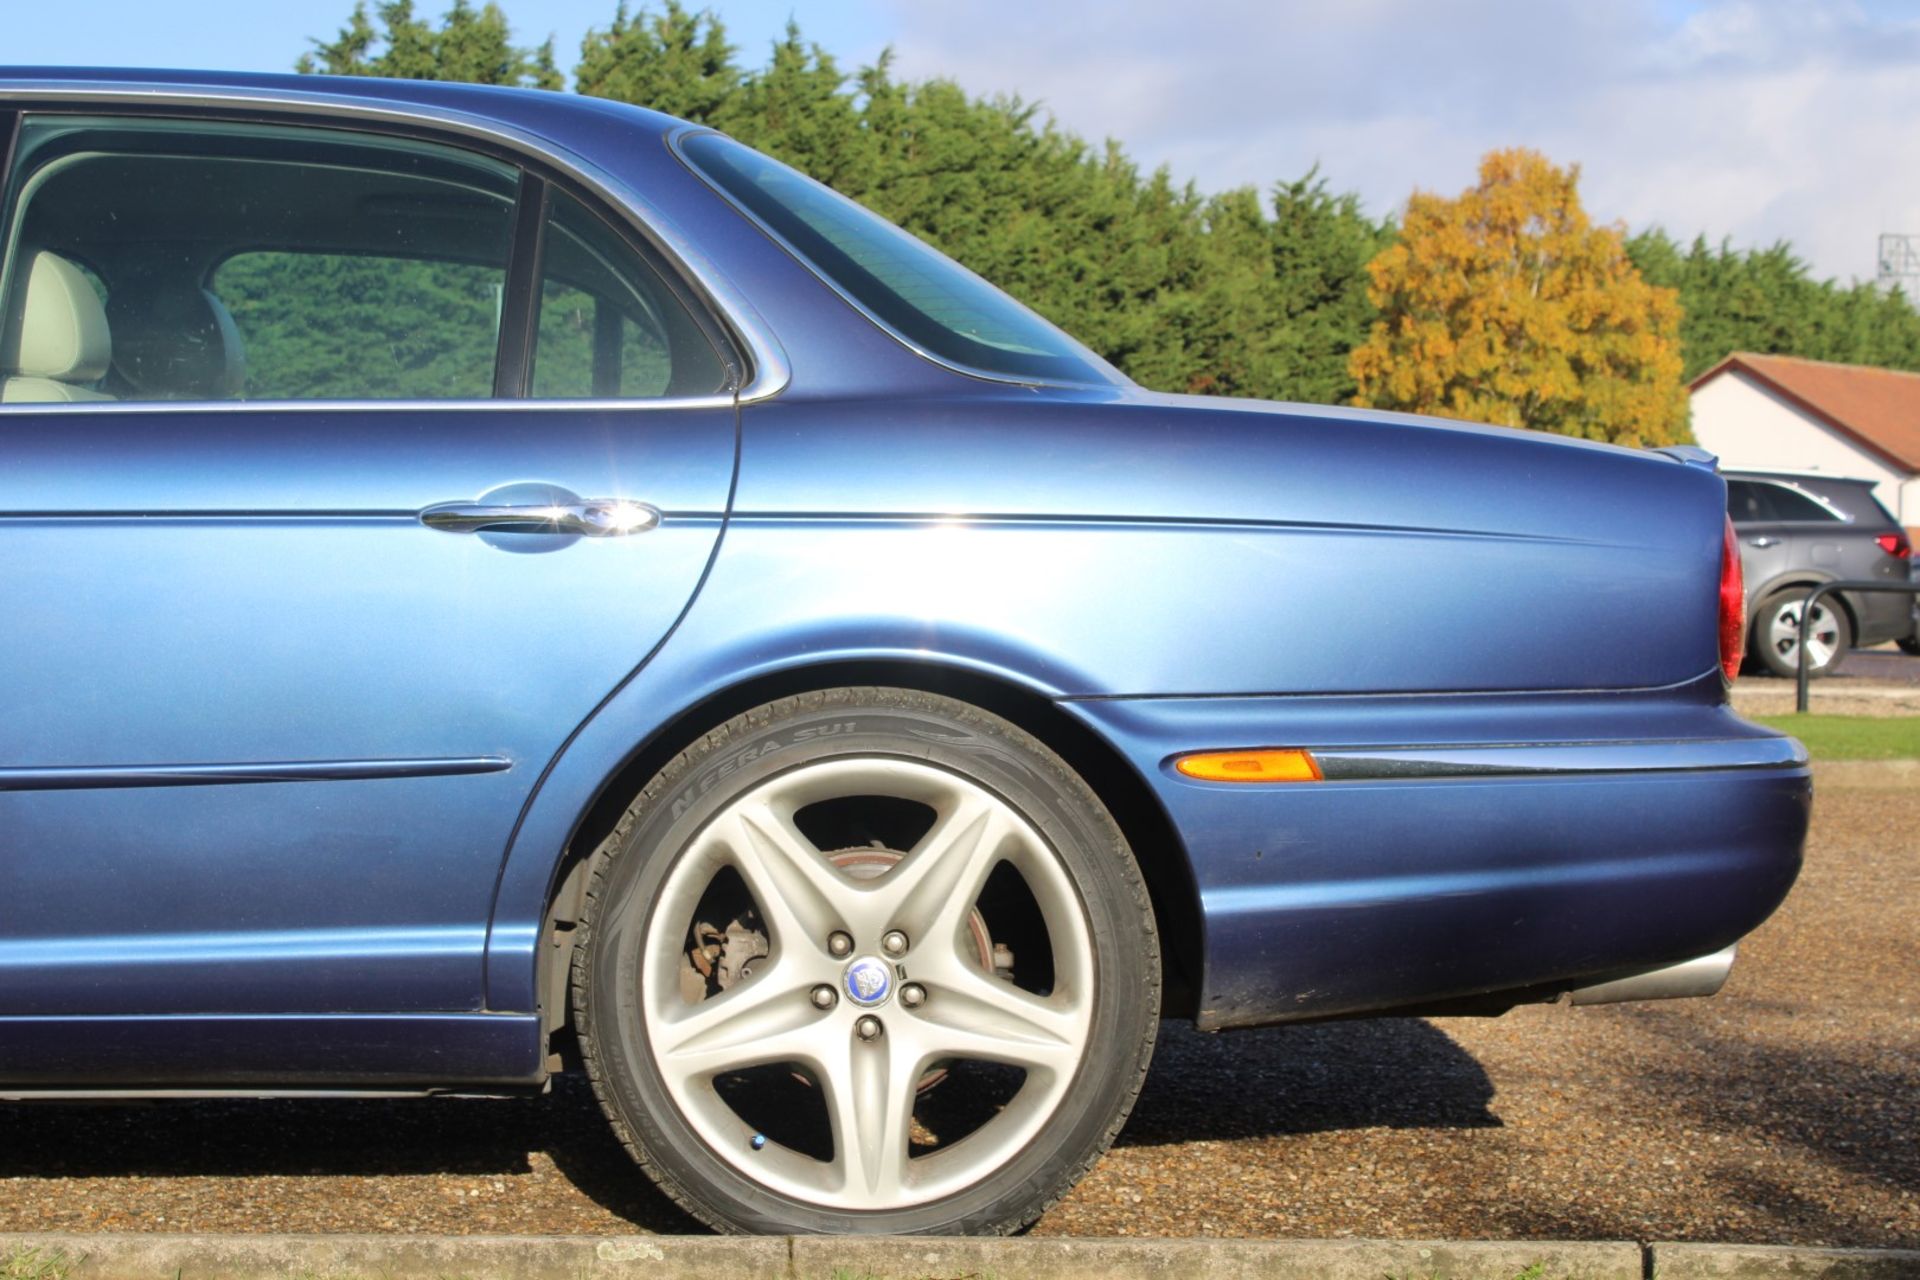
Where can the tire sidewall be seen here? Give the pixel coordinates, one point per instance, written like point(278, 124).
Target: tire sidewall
point(987, 752)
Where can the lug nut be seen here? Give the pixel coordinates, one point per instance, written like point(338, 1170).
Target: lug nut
point(825, 997)
point(868, 1028)
point(913, 995)
point(839, 944)
point(894, 943)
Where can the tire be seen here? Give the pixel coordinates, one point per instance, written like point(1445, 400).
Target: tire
point(1909, 645)
point(1017, 1011)
point(1776, 630)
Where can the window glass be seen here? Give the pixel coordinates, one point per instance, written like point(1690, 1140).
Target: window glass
point(927, 298)
point(249, 262)
point(1743, 502)
point(610, 328)
point(328, 326)
point(1790, 504)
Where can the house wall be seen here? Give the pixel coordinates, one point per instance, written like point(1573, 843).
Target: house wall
point(1753, 428)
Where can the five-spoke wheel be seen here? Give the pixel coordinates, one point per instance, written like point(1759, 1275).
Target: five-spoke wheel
point(867, 960)
point(1777, 633)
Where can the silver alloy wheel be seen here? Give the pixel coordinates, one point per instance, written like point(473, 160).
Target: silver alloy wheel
point(963, 1011)
point(1823, 638)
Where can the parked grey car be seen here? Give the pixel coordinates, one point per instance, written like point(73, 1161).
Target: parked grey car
point(1797, 531)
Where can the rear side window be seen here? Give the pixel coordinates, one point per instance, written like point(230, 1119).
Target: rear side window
point(1743, 502)
point(1790, 504)
point(151, 260)
point(1756, 501)
point(243, 262)
point(609, 326)
point(327, 326)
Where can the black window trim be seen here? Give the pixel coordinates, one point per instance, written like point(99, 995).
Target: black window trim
point(9, 139)
point(755, 364)
point(9, 143)
point(520, 303)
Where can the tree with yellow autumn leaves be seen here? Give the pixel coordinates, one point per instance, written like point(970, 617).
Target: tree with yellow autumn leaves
point(1506, 305)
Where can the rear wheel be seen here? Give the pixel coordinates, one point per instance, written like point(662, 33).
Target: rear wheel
point(867, 960)
point(1777, 633)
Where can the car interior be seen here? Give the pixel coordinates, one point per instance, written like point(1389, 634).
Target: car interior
point(227, 263)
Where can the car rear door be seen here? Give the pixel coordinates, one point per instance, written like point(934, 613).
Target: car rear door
point(342, 476)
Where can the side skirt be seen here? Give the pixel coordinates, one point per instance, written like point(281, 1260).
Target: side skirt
point(262, 1054)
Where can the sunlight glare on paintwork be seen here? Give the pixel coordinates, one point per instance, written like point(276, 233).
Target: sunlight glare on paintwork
point(956, 565)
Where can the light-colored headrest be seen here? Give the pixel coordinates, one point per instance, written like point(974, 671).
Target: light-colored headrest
point(62, 331)
point(174, 343)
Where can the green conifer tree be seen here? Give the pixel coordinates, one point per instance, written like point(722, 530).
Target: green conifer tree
point(470, 45)
point(673, 61)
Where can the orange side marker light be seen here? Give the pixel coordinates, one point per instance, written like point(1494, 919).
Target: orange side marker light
point(1289, 765)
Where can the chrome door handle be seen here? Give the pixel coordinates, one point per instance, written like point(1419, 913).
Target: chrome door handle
point(1763, 541)
point(604, 518)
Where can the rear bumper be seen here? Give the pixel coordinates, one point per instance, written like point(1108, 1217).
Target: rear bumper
point(1467, 846)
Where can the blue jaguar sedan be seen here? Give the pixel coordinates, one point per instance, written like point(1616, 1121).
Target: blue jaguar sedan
point(502, 582)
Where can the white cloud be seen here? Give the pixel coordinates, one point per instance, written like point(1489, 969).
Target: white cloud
point(1754, 119)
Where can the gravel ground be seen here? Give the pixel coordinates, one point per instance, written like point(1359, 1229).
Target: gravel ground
point(1785, 1111)
point(1882, 662)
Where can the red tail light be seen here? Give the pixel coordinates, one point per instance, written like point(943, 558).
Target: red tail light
point(1733, 607)
point(1896, 545)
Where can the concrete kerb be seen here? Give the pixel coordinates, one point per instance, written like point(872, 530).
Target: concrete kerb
point(368, 1257)
point(1775, 1262)
point(401, 1257)
point(1061, 1258)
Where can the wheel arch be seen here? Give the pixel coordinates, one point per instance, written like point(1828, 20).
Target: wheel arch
point(1127, 796)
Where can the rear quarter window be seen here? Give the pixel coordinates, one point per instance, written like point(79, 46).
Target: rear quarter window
point(1790, 504)
point(1760, 501)
point(924, 297)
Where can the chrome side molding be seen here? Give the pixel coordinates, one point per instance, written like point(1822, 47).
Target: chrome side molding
point(1700, 976)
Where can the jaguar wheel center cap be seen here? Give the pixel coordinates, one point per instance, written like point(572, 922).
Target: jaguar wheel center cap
point(868, 981)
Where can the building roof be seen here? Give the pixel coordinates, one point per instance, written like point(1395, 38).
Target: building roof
point(1879, 409)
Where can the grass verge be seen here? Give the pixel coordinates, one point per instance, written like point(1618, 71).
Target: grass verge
point(1852, 737)
point(34, 1264)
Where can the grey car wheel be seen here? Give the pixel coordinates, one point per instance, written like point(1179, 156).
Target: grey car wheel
point(1777, 633)
point(867, 960)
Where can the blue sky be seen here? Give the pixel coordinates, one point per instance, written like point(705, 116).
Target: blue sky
point(1753, 119)
point(267, 35)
